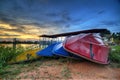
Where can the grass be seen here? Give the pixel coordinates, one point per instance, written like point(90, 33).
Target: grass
point(6, 54)
point(115, 54)
point(66, 72)
point(11, 71)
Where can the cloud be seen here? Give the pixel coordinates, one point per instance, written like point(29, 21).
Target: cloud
point(101, 12)
point(2, 28)
point(20, 21)
point(63, 14)
point(6, 18)
point(119, 1)
point(52, 14)
point(8, 35)
point(17, 29)
point(111, 23)
point(45, 16)
point(66, 16)
point(67, 26)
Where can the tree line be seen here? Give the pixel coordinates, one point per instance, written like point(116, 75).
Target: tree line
point(116, 37)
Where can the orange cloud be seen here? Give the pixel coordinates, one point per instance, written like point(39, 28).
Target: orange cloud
point(28, 32)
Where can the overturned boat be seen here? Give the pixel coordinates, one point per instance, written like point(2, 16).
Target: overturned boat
point(60, 51)
point(89, 46)
point(46, 51)
point(86, 44)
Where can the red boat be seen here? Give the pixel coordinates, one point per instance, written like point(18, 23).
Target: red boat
point(89, 46)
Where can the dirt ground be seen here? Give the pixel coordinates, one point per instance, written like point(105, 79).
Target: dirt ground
point(74, 70)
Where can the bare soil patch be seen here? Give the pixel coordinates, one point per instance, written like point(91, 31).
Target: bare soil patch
point(72, 70)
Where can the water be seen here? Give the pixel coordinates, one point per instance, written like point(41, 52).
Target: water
point(43, 44)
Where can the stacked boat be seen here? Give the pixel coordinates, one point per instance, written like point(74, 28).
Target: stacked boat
point(89, 46)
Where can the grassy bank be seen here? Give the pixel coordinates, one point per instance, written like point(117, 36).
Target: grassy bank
point(115, 54)
point(6, 54)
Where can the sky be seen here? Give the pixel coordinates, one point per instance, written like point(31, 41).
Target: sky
point(30, 18)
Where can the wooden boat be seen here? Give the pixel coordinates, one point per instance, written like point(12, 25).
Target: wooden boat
point(60, 51)
point(89, 46)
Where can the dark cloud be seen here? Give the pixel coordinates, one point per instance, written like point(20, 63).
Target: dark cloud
point(60, 19)
point(66, 16)
point(14, 21)
point(33, 24)
point(111, 23)
point(16, 25)
point(119, 1)
point(7, 18)
point(67, 26)
point(77, 21)
point(101, 12)
point(56, 13)
point(52, 14)
point(63, 15)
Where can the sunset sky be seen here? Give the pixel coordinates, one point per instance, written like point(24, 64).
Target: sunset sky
point(30, 18)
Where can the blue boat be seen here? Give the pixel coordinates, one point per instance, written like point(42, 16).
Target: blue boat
point(47, 51)
point(60, 51)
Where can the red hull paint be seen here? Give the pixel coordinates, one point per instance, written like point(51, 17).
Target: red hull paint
point(89, 46)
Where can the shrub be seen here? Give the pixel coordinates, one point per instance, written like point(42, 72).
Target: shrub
point(115, 54)
point(6, 54)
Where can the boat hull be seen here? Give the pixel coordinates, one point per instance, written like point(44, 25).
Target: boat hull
point(47, 51)
point(88, 46)
point(25, 56)
point(60, 51)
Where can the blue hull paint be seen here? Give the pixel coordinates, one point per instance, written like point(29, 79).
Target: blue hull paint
point(60, 51)
point(47, 51)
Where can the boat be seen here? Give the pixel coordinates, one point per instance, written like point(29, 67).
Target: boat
point(89, 46)
point(47, 51)
point(25, 56)
point(60, 51)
